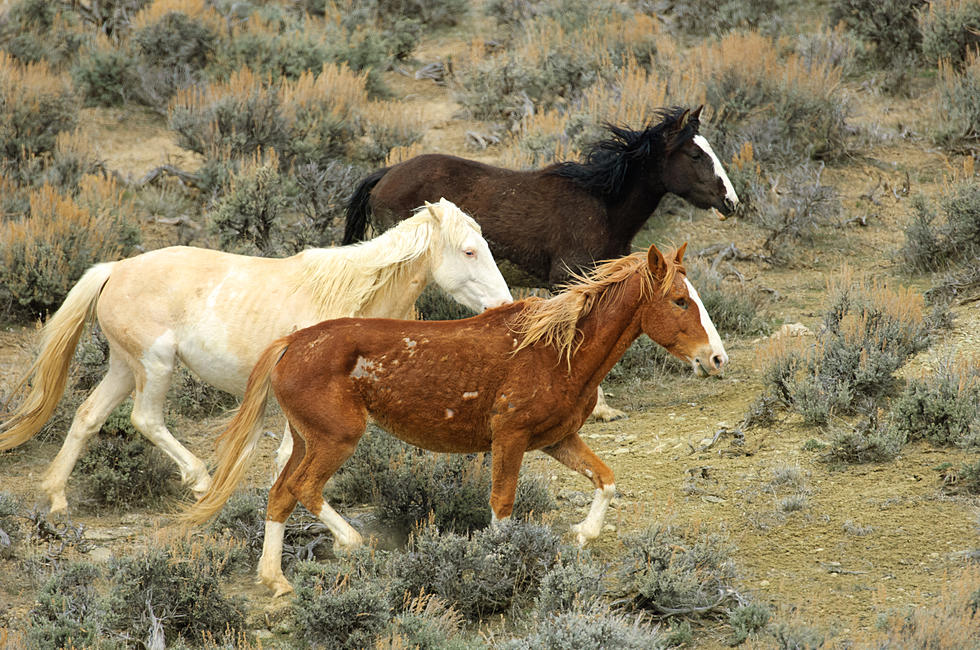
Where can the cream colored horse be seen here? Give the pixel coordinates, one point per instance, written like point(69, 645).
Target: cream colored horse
point(216, 312)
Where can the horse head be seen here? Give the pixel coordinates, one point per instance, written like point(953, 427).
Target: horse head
point(461, 260)
point(675, 317)
point(692, 171)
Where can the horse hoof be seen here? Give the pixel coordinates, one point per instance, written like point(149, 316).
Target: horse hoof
point(58, 503)
point(278, 585)
point(201, 487)
point(609, 415)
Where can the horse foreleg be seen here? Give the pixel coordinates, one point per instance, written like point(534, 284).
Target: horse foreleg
point(281, 505)
point(506, 454)
point(574, 453)
point(603, 412)
point(158, 367)
point(111, 391)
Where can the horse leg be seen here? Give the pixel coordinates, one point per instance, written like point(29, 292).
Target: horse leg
point(325, 453)
point(574, 453)
point(281, 505)
point(505, 464)
point(284, 451)
point(158, 366)
point(603, 412)
point(110, 392)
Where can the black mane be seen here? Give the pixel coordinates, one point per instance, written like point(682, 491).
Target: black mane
point(607, 162)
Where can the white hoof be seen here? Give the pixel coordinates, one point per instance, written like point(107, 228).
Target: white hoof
point(608, 414)
point(343, 546)
point(58, 502)
point(277, 583)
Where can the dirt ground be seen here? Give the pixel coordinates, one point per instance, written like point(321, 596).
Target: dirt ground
point(867, 540)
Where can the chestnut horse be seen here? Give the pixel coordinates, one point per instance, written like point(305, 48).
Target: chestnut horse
point(519, 377)
point(216, 312)
point(559, 220)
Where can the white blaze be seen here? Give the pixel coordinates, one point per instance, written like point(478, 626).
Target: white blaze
point(713, 339)
point(719, 170)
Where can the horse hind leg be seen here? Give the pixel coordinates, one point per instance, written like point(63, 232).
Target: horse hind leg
point(575, 454)
point(107, 395)
point(157, 364)
point(603, 412)
point(281, 505)
point(326, 451)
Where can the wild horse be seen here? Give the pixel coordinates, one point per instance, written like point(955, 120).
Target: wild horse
point(216, 312)
point(561, 219)
point(516, 378)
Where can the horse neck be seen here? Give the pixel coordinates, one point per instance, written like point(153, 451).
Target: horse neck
point(608, 330)
point(629, 210)
point(349, 282)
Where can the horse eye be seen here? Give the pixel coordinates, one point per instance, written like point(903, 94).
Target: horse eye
point(680, 302)
point(469, 252)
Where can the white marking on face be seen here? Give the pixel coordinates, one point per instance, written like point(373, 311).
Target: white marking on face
point(450, 414)
point(471, 394)
point(719, 170)
point(717, 347)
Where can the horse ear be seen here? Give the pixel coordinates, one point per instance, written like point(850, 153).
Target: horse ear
point(697, 112)
point(656, 261)
point(682, 122)
point(679, 256)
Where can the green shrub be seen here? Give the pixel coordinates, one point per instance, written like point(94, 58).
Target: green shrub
point(942, 407)
point(122, 469)
point(431, 13)
point(868, 442)
point(938, 238)
point(46, 251)
point(949, 30)
point(436, 304)
point(338, 610)
point(38, 30)
point(249, 217)
point(596, 627)
point(485, 573)
point(787, 107)
point(889, 27)
point(735, 309)
point(869, 332)
point(573, 583)
point(428, 623)
point(10, 510)
point(178, 584)
point(968, 478)
point(669, 571)
point(105, 75)
point(68, 612)
point(37, 105)
point(746, 620)
point(700, 17)
point(408, 485)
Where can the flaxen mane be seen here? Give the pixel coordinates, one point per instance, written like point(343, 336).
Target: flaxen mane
point(555, 321)
point(370, 269)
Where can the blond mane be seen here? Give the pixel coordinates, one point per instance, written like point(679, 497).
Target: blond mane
point(555, 321)
point(344, 280)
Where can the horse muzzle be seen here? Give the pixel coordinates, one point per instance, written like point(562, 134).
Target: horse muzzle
point(709, 363)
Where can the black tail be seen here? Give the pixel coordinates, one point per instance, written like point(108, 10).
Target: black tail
point(357, 209)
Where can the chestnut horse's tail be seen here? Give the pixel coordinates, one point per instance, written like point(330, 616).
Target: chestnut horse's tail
point(357, 209)
point(237, 445)
point(59, 337)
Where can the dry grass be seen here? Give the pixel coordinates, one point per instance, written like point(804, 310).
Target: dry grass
point(196, 9)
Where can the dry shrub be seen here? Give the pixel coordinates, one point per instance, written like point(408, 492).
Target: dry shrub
point(551, 66)
point(942, 406)
point(37, 105)
point(956, 114)
point(317, 118)
point(943, 237)
point(763, 92)
point(870, 331)
point(44, 253)
point(953, 622)
point(950, 30)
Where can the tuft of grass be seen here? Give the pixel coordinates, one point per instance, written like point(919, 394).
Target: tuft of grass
point(594, 627)
point(956, 114)
point(942, 406)
point(38, 104)
point(941, 236)
point(949, 30)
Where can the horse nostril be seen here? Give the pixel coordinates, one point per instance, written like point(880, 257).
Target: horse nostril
point(717, 361)
point(730, 205)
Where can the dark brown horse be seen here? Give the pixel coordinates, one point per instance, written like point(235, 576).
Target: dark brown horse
point(563, 218)
point(519, 377)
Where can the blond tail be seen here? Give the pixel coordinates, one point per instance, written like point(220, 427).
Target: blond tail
point(50, 371)
point(238, 443)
